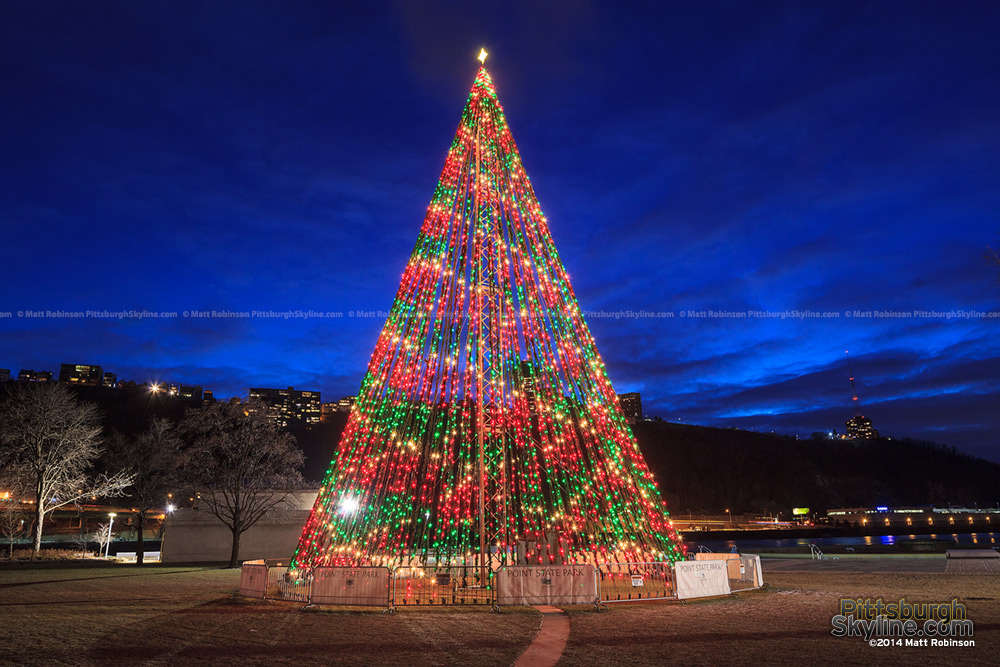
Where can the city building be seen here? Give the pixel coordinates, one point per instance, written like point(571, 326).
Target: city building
point(4, 374)
point(913, 517)
point(327, 410)
point(34, 376)
point(345, 404)
point(190, 391)
point(82, 374)
point(631, 406)
point(526, 383)
point(207, 395)
point(165, 388)
point(289, 407)
point(860, 428)
point(110, 380)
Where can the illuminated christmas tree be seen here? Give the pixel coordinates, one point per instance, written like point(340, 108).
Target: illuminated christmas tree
point(486, 431)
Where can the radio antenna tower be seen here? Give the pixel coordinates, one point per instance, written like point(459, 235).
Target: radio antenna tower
point(854, 389)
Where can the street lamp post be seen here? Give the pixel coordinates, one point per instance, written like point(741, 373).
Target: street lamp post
point(107, 547)
point(163, 527)
point(730, 517)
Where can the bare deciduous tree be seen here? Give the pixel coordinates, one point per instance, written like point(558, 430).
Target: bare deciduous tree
point(13, 516)
point(52, 439)
point(82, 542)
point(242, 464)
point(103, 537)
point(153, 458)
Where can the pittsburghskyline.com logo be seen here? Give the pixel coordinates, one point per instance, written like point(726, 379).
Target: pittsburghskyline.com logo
point(902, 623)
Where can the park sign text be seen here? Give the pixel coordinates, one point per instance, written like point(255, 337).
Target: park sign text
point(701, 578)
point(570, 584)
point(351, 585)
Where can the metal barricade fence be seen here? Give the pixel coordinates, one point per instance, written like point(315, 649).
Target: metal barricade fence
point(743, 573)
point(356, 586)
point(294, 586)
point(522, 585)
point(253, 580)
point(442, 585)
point(460, 585)
point(274, 575)
point(628, 582)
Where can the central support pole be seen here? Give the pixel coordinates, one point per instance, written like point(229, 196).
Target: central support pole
point(480, 369)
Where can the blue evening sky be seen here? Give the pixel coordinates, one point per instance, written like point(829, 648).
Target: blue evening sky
point(755, 156)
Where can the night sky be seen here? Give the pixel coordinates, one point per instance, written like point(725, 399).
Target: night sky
point(825, 157)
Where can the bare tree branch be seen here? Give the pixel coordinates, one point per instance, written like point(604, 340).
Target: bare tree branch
point(14, 486)
point(153, 457)
point(241, 463)
point(51, 438)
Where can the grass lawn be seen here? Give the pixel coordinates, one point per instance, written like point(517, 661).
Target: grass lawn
point(174, 616)
point(62, 614)
point(787, 623)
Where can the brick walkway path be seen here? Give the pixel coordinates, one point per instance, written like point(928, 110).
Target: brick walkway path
point(550, 643)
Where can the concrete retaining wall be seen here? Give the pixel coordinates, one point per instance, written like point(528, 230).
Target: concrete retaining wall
point(196, 535)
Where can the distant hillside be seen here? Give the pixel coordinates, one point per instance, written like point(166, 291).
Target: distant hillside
point(706, 470)
point(700, 469)
point(319, 444)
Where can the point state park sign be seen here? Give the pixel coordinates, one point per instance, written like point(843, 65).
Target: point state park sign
point(552, 584)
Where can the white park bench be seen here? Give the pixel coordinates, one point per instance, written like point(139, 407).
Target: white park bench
point(129, 557)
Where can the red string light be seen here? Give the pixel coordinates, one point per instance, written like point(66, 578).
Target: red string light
point(486, 348)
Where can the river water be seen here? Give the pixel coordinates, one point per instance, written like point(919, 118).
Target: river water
point(980, 540)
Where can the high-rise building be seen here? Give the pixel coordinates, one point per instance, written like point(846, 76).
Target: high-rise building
point(34, 376)
point(190, 391)
point(345, 404)
point(860, 428)
point(631, 406)
point(326, 410)
point(526, 384)
point(4, 374)
point(110, 380)
point(83, 374)
point(208, 396)
point(288, 406)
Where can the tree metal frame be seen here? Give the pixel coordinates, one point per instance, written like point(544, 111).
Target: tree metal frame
point(486, 431)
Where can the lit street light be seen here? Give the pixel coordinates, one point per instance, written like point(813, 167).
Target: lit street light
point(163, 524)
point(349, 505)
point(730, 517)
point(107, 547)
